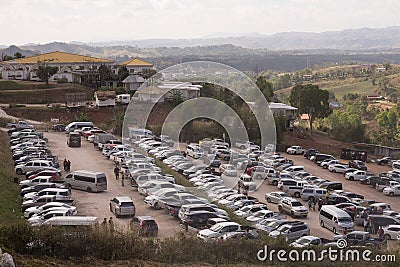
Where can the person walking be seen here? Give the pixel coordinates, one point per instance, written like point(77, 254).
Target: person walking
point(314, 202)
point(365, 224)
point(122, 179)
point(245, 192)
point(116, 172)
point(111, 224)
point(65, 164)
point(104, 223)
point(319, 204)
point(68, 166)
point(309, 202)
point(345, 231)
point(380, 232)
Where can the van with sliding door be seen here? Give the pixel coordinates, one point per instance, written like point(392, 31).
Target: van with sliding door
point(86, 180)
point(335, 219)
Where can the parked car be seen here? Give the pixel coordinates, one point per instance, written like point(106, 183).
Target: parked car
point(292, 207)
point(291, 231)
point(392, 191)
point(384, 161)
point(295, 150)
point(121, 206)
point(391, 232)
point(358, 164)
point(145, 225)
point(218, 230)
point(355, 176)
point(339, 168)
point(275, 197)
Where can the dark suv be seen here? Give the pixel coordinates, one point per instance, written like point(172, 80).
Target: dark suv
point(145, 225)
point(357, 164)
point(198, 219)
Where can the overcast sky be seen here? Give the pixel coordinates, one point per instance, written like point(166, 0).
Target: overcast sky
point(42, 21)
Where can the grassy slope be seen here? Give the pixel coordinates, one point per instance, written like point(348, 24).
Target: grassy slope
point(12, 85)
point(10, 202)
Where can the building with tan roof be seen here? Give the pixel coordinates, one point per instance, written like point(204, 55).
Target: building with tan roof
point(71, 67)
point(136, 66)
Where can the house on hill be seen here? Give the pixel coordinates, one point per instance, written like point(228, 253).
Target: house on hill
point(104, 98)
point(71, 67)
point(163, 91)
point(133, 82)
point(136, 66)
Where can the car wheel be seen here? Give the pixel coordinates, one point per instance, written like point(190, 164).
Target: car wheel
point(268, 200)
point(351, 178)
point(333, 171)
point(292, 213)
point(115, 212)
point(391, 194)
point(19, 171)
point(110, 208)
point(280, 209)
point(275, 183)
point(334, 230)
point(157, 206)
point(387, 237)
point(297, 194)
point(322, 223)
point(89, 189)
point(258, 176)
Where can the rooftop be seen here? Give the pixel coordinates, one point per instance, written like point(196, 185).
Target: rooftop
point(136, 62)
point(59, 57)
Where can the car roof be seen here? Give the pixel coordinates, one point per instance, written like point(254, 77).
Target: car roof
point(145, 218)
point(124, 199)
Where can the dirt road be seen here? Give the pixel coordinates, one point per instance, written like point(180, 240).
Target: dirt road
point(97, 204)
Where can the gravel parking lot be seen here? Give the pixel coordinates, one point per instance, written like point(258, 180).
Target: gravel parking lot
point(87, 157)
point(97, 204)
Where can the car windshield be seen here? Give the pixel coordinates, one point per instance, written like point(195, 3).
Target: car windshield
point(283, 229)
point(296, 204)
point(216, 227)
point(303, 241)
point(345, 220)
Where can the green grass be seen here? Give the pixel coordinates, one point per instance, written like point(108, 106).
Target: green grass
point(10, 201)
point(361, 88)
point(179, 178)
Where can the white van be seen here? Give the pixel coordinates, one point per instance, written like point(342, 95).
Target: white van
point(294, 169)
point(78, 125)
point(134, 133)
point(335, 219)
point(194, 151)
point(86, 180)
point(123, 98)
point(71, 221)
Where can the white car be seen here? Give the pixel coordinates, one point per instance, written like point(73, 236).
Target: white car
point(295, 150)
point(264, 214)
point(355, 176)
point(275, 197)
point(218, 230)
point(391, 231)
point(228, 169)
point(339, 168)
point(392, 191)
point(324, 164)
point(29, 212)
point(306, 241)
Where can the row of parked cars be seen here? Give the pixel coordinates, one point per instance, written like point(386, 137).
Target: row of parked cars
point(45, 198)
point(357, 208)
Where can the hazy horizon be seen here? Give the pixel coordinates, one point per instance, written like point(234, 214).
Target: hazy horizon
point(88, 21)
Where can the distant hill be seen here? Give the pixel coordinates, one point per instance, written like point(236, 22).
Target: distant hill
point(12, 49)
point(352, 39)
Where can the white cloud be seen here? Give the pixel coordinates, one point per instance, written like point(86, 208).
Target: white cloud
point(90, 20)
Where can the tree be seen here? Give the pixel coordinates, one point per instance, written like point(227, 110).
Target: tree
point(346, 126)
point(265, 87)
point(18, 55)
point(104, 74)
point(175, 97)
point(147, 73)
point(123, 73)
point(311, 100)
point(44, 72)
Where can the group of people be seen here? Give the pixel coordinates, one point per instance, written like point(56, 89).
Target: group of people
point(67, 165)
point(124, 174)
